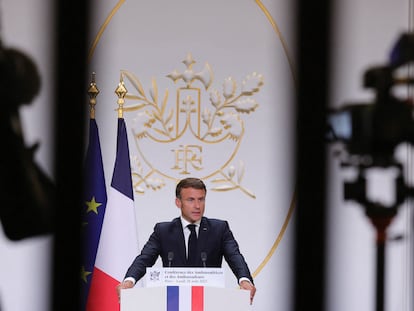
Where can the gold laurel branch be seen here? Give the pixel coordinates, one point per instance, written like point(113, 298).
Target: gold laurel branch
point(158, 111)
point(214, 132)
point(138, 86)
point(136, 185)
point(203, 138)
point(150, 183)
point(233, 185)
point(241, 103)
point(135, 82)
point(137, 172)
point(162, 132)
point(155, 139)
point(216, 141)
point(130, 108)
point(146, 134)
point(250, 105)
point(217, 113)
point(225, 188)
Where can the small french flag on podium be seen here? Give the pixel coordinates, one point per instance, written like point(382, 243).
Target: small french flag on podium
point(185, 298)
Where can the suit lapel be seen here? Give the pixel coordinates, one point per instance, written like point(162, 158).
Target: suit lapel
point(203, 234)
point(179, 239)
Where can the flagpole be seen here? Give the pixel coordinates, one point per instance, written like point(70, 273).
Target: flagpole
point(93, 92)
point(121, 92)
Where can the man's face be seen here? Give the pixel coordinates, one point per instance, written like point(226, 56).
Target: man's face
point(192, 204)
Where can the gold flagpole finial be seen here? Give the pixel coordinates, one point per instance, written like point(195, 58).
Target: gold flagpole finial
point(121, 92)
point(93, 92)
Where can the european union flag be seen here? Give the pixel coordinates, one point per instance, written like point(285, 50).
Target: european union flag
point(94, 198)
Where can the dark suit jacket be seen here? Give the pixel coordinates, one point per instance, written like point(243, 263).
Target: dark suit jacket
point(214, 239)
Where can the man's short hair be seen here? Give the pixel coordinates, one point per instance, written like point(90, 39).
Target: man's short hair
point(190, 182)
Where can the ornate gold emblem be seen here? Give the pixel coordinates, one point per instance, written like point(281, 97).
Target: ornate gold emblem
point(199, 135)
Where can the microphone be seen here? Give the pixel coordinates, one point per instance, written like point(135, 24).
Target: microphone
point(170, 258)
point(204, 258)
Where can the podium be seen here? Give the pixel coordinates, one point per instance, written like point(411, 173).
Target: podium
point(180, 298)
point(195, 294)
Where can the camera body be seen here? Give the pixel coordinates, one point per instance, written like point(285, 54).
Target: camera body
point(374, 130)
point(371, 131)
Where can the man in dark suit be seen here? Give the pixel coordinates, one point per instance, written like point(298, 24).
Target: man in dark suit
point(172, 240)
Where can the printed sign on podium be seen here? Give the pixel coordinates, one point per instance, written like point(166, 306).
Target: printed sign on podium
point(212, 277)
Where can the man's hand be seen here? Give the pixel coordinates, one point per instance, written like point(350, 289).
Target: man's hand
point(123, 285)
point(248, 286)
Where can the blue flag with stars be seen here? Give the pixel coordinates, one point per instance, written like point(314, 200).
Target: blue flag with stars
point(93, 210)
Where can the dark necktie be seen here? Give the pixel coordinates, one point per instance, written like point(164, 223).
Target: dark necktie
point(192, 246)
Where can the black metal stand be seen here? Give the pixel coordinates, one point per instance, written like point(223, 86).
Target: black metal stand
point(381, 224)
point(380, 216)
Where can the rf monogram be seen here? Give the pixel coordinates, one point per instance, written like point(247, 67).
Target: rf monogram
point(188, 155)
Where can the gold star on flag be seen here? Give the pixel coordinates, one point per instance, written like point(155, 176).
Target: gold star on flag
point(92, 205)
point(84, 274)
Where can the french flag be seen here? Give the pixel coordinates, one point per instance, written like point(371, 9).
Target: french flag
point(118, 245)
point(185, 298)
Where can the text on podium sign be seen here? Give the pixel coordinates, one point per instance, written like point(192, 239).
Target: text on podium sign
point(213, 277)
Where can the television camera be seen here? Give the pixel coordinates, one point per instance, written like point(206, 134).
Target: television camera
point(370, 133)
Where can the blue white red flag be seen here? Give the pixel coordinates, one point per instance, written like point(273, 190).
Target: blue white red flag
point(118, 245)
point(185, 298)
